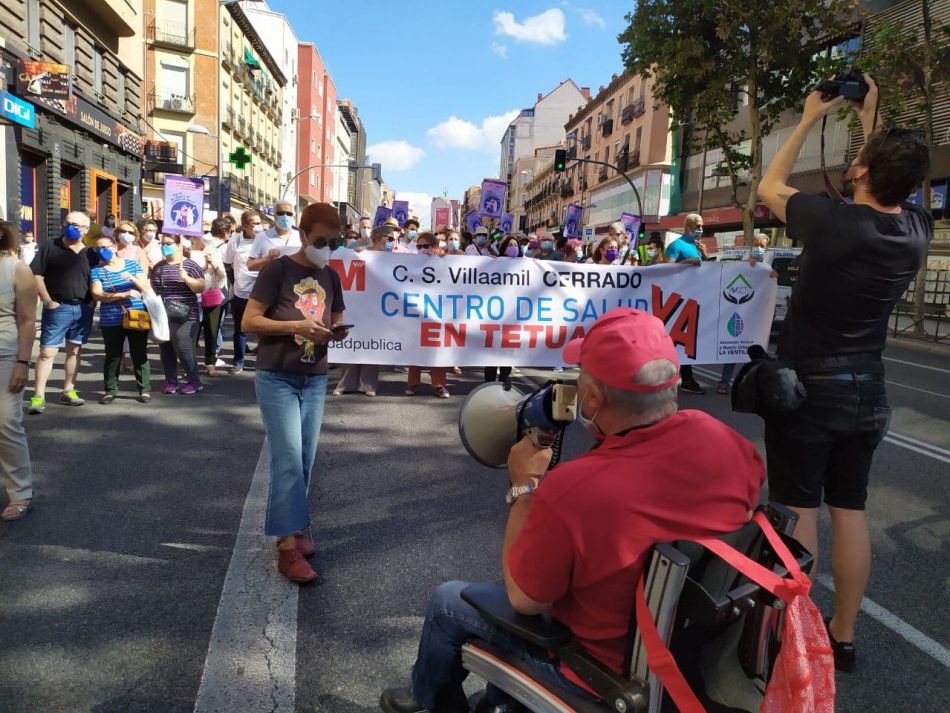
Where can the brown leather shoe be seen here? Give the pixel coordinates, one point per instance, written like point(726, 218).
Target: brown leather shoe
point(303, 545)
point(292, 565)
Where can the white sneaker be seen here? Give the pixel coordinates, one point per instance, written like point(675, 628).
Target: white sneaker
point(220, 362)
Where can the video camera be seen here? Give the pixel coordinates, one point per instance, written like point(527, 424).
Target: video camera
point(495, 416)
point(849, 84)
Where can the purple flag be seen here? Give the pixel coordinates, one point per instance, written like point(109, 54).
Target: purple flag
point(572, 221)
point(631, 223)
point(507, 221)
point(184, 205)
point(382, 213)
point(401, 212)
point(472, 221)
point(493, 198)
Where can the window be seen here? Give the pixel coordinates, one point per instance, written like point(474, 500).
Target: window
point(97, 69)
point(33, 24)
point(179, 140)
point(120, 90)
point(636, 146)
point(314, 75)
point(69, 46)
point(174, 81)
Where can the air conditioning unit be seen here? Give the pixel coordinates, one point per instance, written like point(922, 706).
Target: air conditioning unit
point(176, 103)
point(601, 118)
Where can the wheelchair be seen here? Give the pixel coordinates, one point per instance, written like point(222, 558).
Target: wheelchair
point(723, 630)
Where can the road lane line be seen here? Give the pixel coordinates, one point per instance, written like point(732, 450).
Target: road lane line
point(919, 366)
point(915, 449)
point(914, 388)
point(252, 655)
point(922, 444)
point(900, 627)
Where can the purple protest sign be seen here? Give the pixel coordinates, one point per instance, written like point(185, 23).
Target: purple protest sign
point(401, 212)
point(631, 223)
point(572, 221)
point(507, 221)
point(382, 213)
point(492, 202)
point(472, 221)
point(184, 205)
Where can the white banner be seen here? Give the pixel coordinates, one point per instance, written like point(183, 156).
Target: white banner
point(478, 311)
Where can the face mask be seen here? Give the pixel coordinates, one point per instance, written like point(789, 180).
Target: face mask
point(318, 256)
point(125, 237)
point(106, 254)
point(547, 245)
point(454, 244)
point(758, 253)
point(72, 233)
point(611, 254)
point(388, 247)
point(148, 236)
point(28, 238)
point(412, 234)
point(258, 229)
point(168, 250)
point(512, 251)
point(529, 253)
point(651, 253)
point(481, 239)
point(365, 233)
point(110, 222)
point(285, 222)
point(425, 250)
point(186, 243)
point(589, 423)
point(693, 235)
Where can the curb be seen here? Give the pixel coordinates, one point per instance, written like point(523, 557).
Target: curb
point(919, 345)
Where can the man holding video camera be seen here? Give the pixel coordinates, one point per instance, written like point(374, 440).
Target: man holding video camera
point(858, 260)
point(578, 537)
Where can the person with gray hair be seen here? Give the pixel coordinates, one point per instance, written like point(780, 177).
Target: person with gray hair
point(578, 537)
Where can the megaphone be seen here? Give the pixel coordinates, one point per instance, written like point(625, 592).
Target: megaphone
point(495, 416)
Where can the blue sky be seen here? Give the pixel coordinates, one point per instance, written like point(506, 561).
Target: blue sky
point(411, 67)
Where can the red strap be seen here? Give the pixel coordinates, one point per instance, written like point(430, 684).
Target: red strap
point(660, 660)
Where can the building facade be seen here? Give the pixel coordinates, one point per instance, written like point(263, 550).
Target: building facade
point(357, 190)
point(341, 157)
point(75, 74)
point(523, 173)
point(317, 114)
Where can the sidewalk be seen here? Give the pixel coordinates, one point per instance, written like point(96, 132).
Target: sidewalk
point(933, 326)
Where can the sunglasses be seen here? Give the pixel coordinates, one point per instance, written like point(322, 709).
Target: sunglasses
point(333, 243)
point(425, 246)
point(285, 212)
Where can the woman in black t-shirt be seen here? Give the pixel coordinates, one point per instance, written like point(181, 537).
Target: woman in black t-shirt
point(295, 308)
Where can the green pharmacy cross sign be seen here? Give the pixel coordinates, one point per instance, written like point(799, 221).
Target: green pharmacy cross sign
point(240, 157)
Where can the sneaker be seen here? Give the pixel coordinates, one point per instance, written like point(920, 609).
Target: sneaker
point(71, 398)
point(845, 656)
point(236, 369)
point(171, 387)
point(37, 405)
point(220, 363)
point(292, 565)
point(442, 393)
point(144, 397)
point(692, 387)
point(192, 387)
point(107, 399)
point(411, 390)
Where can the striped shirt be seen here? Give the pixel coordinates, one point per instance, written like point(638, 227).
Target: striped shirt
point(110, 313)
point(174, 287)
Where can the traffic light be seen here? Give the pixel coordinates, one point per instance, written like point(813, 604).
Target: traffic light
point(560, 159)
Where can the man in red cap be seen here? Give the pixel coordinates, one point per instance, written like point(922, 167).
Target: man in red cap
point(578, 537)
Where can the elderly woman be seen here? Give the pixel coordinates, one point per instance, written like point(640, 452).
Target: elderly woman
point(179, 281)
point(17, 333)
point(127, 244)
point(296, 309)
point(573, 250)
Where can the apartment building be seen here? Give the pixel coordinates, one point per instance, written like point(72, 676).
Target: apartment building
point(358, 192)
point(317, 115)
point(625, 127)
point(74, 72)
point(341, 157)
point(523, 172)
point(543, 206)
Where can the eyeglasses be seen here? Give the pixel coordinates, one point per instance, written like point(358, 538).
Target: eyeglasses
point(333, 243)
point(286, 212)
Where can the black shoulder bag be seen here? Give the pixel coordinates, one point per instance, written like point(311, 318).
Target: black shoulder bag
point(767, 386)
point(177, 311)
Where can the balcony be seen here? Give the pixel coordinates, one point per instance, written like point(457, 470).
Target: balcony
point(607, 128)
point(626, 116)
point(227, 57)
point(602, 174)
point(241, 125)
point(228, 119)
point(585, 142)
point(639, 107)
point(178, 103)
point(622, 160)
point(176, 35)
point(567, 190)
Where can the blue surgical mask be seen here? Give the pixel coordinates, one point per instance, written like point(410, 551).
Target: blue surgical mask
point(547, 245)
point(693, 235)
point(412, 234)
point(71, 232)
point(106, 254)
point(285, 222)
point(758, 253)
point(388, 247)
point(454, 244)
point(651, 253)
point(169, 250)
point(481, 239)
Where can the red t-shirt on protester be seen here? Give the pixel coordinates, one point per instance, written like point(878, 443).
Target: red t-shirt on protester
point(593, 521)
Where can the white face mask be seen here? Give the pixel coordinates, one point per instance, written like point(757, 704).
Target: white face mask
point(589, 423)
point(258, 229)
point(148, 236)
point(318, 256)
point(366, 232)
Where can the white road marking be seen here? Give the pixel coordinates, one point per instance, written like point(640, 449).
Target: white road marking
point(915, 449)
point(908, 633)
point(914, 388)
point(190, 546)
point(922, 444)
point(919, 366)
point(252, 656)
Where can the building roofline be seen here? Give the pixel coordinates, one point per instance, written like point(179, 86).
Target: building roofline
point(251, 34)
point(598, 100)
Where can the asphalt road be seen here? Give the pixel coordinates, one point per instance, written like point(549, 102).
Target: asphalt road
point(110, 587)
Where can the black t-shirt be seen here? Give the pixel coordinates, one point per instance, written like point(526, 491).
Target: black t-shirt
point(856, 264)
point(65, 272)
point(291, 291)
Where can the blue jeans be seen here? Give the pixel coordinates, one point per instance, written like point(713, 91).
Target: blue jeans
point(66, 323)
point(292, 410)
point(238, 305)
point(438, 673)
point(727, 371)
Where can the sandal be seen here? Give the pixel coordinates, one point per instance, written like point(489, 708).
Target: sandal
point(16, 510)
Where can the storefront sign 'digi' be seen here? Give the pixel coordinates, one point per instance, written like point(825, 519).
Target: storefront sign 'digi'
point(43, 79)
point(17, 110)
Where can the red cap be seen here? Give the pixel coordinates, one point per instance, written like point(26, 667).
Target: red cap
point(619, 344)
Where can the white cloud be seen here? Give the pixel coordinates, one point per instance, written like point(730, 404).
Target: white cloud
point(460, 134)
point(546, 28)
point(395, 155)
point(500, 50)
point(420, 205)
point(592, 18)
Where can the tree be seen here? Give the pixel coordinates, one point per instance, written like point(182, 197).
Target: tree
point(909, 62)
point(703, 54)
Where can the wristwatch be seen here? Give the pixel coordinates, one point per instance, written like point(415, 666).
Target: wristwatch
point(516, 491)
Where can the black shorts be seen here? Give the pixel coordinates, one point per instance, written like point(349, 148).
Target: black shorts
point(826, 446)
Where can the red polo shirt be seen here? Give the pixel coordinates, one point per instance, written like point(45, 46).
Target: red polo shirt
point(593, 520)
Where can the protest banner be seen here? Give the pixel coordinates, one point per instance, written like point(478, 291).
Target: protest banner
point(631, 223)
point(382, 213)
point(401, 212)
point(507, 221)
point(472, 221)
point(572, 221)
point(184, 205)
point(476, 311)
point(441, 218)
point(492, 203)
